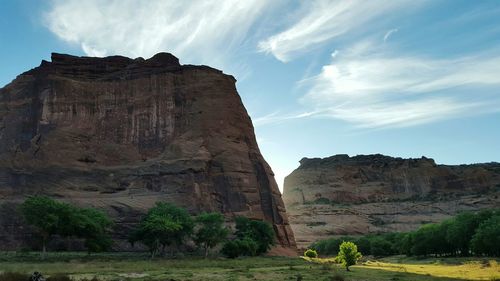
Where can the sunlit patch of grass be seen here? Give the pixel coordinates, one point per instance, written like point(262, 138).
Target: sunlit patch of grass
point(320, 260)
point(469, 270)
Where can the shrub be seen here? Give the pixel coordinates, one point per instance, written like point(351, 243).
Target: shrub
point(310, 253)
point(239, 247)
point(259, 231)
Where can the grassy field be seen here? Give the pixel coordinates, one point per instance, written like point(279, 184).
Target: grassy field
point(137, 267)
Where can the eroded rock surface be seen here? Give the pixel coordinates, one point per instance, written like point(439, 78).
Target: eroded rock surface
point(342, 195)
point(120, 134)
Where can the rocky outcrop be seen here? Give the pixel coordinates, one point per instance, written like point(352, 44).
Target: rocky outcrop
point(120, 134)
point(342, 195)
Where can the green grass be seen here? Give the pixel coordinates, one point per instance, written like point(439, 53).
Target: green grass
point(133, 266)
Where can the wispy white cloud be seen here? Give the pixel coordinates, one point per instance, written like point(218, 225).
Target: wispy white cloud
point(322, 20)
point(389, 33)
point(385, 113)
point(277, 117)
point(371, 87)
point(197, 31)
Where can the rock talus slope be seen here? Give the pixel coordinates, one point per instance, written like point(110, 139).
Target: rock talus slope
point(120, 134)
point(342, 195)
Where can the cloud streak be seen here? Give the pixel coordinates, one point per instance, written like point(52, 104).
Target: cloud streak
point(197, 31)
point(323, 20)
point(389, 33)
point(277, 117)
point(373, 88)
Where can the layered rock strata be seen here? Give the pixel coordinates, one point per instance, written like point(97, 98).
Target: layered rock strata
point(121, 134)
point(342, 195)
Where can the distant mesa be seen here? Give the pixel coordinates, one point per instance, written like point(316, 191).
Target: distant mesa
point(342, 195)
point(121, 134)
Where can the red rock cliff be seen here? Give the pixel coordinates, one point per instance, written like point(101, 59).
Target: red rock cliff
point(121, 134)
point(342, 195)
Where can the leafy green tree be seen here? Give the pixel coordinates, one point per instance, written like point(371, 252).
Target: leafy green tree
point(211, 231)
point(486, 240)
point(259, 231)
point(380, 247)
point(461, 230)
point(363, 243)
point(430, 239)
point(51, 217)
point(164, 225)
point(402, 244)
point(44, 214)
point(348, 254)
point(94, 226)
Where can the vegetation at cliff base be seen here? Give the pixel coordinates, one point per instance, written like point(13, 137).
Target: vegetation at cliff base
point(467, 234)
point(164, 225)
point(210, 231)
point(252, 238)
point(50, 217)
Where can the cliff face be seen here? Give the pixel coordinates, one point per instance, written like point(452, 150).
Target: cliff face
point(342, 195)
point(120, 134)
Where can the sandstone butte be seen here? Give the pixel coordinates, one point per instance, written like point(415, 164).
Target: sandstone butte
point(121, 134)
point(342, 195)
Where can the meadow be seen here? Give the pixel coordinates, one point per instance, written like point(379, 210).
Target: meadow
point(127, 266)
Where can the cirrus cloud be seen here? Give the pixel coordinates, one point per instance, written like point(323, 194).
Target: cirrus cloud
point(199, 31)
point(370, 87)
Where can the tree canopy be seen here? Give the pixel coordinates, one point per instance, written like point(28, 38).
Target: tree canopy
point(211, 230)
point(163, 225)
point(466, 234)
point(259, 231)
point(51, 217)
point(348, 254)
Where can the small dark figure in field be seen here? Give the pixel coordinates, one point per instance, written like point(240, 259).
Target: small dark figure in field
point(36, 276)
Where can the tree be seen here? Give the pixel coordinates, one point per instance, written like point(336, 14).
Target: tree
point(348, 254)
point(51, 217)
point(429, 239)
point(363, 243)
point(164, 225)
point(461, 230)
point(211, 231)
point(486, 240)
point(92, 225)
point(44, 214)
point(259, 231)
point(380, 247)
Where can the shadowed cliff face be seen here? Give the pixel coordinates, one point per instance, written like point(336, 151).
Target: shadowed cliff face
point(342, 195)
point(121, 134)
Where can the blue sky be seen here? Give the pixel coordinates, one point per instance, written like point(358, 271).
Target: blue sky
point(402, 78)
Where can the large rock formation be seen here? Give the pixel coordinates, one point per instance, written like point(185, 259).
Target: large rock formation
point(342, 195)
point(120, 134)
